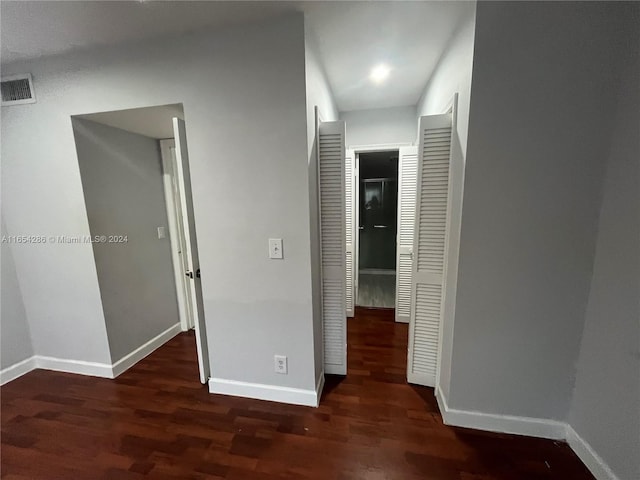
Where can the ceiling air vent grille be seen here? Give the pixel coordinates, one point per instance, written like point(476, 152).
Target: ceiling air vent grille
point(17, 89)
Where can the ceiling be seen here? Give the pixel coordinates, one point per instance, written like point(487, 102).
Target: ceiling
point(153, 122)
point(351, 36)
point(34, 28)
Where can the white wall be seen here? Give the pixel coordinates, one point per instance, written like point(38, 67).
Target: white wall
point(124, 193)
point(42, 195)
point(605, 409)
point(452, 76)
point(243, 92)
point(544, 86)
point(318, 90)
point(15, 337)
point(318, 94)
point(381, 126)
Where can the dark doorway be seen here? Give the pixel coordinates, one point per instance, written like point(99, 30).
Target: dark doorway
point(378, 212)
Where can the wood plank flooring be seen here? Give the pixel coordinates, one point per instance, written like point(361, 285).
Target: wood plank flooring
point(376, 290)
point(156, 421)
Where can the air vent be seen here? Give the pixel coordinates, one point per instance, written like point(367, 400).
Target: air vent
point(17, 89)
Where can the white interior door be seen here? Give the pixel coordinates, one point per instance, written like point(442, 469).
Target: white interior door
point(181, 240)
point(176, 232)
point(350, 202)
point(193, 272)
point(407, 187)
point(429, 247)
point(331, 165)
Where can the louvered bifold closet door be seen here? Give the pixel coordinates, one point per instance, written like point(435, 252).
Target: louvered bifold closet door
point(407, 186)
point(429, 247)
point(349, 179)
point(331, 162)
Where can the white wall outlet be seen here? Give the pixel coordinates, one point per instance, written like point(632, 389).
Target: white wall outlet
point(275, 248)
point(162, 232)
point(280, 364)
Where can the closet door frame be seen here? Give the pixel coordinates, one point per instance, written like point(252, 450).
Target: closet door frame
point(357, 150)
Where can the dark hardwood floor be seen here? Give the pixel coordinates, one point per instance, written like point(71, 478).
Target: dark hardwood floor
point(156, 421)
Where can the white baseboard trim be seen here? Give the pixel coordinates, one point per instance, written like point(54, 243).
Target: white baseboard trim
point(93, 369)
point(139, 353)
point(17, 370)
point(442, 402)
point(596, 465)
point(532, 427)
point(319, 388)
point(274, 393)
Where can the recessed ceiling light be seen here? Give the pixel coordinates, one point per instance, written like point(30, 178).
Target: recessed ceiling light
point(379, 73)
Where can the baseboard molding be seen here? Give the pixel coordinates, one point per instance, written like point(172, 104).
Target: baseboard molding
point(596, 465)
point(139, 353)
point(17, 370)
point(274, 393)
point(93, 369)
point(531, 427)
point(319, 388)
point(442, 402)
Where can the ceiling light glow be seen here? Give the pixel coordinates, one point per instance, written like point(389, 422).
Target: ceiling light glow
point(379, 73)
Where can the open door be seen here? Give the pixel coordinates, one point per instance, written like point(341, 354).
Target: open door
point(429, 248)
point(331, 166)
point(172, 189)
point(350, 203)
point(407, 187)
point(193, 272)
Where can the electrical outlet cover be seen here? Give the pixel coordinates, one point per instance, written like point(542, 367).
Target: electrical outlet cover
point(280, 364)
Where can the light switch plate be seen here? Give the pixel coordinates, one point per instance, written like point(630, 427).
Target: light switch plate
point(162, 232)
point(275, 248)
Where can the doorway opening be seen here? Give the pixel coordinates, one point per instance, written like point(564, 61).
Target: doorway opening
point(134, 168)
point(418, 222)
point(377, 211)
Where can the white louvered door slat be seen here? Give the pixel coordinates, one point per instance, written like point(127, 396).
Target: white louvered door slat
point(429, 247)
point(407, 186)
point(331, 164)
point(349, 179)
